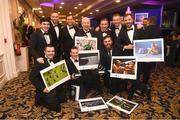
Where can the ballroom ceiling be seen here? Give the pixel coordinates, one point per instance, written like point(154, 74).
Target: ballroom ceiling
point(90, 8)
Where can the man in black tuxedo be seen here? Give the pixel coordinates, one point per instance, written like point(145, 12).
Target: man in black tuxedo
point(86, 30)
point(106, 54)
point(151, 31)
point(55, 30)
point(50, 99)
point(117, 28)
point(67, 36)
point(39, 41)
point(102, 31)
point(76, 77)
point(126, 44)
point(91, 77)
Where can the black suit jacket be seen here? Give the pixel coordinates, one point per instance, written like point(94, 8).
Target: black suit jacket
point(38, 44)
point(100, 38)
point(104, 58)
point(124, 40)
point(81, 33)
point(56, 39)
point(71, 67)
point(67, 40)
point(113, 33)
point(35, 76)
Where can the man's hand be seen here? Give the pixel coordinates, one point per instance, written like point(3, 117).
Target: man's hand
point(128, 47)
point(73, 77)
point(46, 90)
point(40, 60)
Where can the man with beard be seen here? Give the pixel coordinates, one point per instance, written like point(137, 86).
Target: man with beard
point(67, 37)
point(106, 53)
point(55, 30)
point(132, 33)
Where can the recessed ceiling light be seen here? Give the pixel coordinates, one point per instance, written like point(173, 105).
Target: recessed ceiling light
point(90, 13)
point(70, 13)
point(76, 8)
point(117, 1)
point(43, 16)
point(60, 7)
point(97, 10)
point(62, 3)
point(80, 4)
point(41, 11)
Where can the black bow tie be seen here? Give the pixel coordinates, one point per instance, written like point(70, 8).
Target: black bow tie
point(46, 33)
point(76, 60)
point(128, 29)
point(71, 27)
point(117, 28)
point(50, 60)
point(87, 32)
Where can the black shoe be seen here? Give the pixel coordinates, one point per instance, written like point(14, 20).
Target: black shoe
point(130, 97)
point(37, 104)
point(149, 95)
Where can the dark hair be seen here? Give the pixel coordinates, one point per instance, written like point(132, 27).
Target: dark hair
point(44, 19)
point(116, 14)
point(107, 36)
point(69, 16)
point(49, 45)
point(74, 47)
point(152, 20)
point(103, 19)
point(132, 16)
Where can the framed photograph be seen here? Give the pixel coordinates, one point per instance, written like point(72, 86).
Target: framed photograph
point(139, 17)
point(149, 50)
point(88, 59)
point(122, 104)
point(123, 67)
point(86, 43)
point(92, 104)
point(55, 75)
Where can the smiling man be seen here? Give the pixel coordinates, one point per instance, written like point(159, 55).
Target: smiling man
point(39, 40)
point(49, 99)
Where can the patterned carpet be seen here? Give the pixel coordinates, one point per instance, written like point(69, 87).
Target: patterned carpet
point(17, 101)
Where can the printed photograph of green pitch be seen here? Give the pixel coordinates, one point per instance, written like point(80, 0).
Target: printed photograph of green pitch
point(56, 74)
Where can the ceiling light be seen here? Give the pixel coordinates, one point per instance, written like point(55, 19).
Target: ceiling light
point(97, 10)
point(80, 4)
point(76, 8)
point(62, 3)
point(90, 13)
point(70, 13)
point(41, 11)
point(60, 7)
point(43, 16)
point(117, 1)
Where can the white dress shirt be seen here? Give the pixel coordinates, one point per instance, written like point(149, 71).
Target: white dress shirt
point(71, 31)
point(47, 38)
point(131, 33)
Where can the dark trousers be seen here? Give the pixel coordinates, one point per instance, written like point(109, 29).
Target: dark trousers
point(48, 100)
point(91, 80)
point(78, 82)
point(137, 84)
point(146, 71)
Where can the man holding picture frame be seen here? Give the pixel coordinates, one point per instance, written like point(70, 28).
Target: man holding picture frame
point(109, 50)
point(131, 34)
point(49, 99)
point(76, 77)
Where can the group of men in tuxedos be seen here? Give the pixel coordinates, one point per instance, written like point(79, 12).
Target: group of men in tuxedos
point(53, 43)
